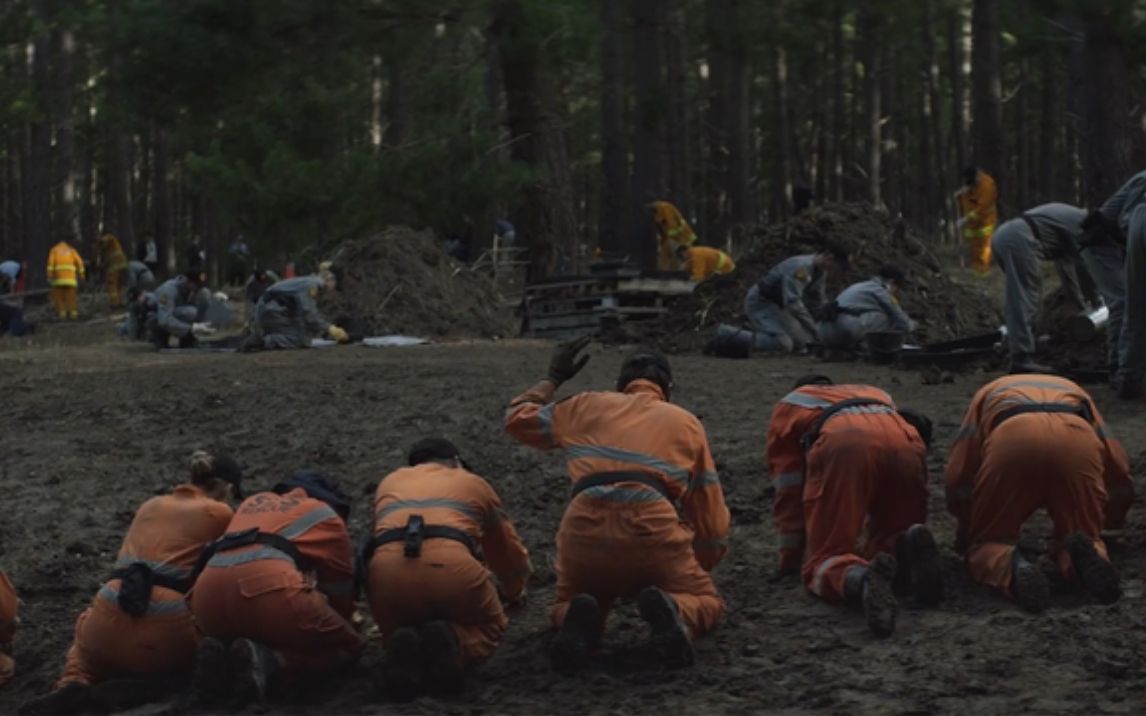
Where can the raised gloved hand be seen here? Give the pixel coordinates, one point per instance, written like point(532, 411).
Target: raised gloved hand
point(565, 363)
point(337, 333)
point(202, 329)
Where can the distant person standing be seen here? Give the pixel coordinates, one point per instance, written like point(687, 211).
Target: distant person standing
point(114, 264)
point(196, 255)
point(148, 252)
point(978, 206)
point(11, 270)
point(65, 271)
point(238, 259)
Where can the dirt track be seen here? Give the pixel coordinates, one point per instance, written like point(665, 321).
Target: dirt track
point(90, 433)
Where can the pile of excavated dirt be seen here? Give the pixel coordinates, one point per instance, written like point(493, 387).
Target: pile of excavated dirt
point(402, 281)
point(943, 307)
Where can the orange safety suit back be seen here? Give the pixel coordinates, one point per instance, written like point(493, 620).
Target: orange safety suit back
point(634, 430)
point(978, 204)
point(65, 267)
point(792, 418)
point(706, 261)
point(167, 535)
point(446, 581)
point(113, 256)
point(981, 420)
point(9, 603)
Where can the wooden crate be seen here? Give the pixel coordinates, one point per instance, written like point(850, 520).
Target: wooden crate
point(581, 305)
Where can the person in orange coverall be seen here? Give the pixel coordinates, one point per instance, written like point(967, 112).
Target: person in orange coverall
point(279, 586)
point(442, 550)
point(9, 604)
point(840, 456)
point(978, 201)
point(1031, 441)
point(631, 455)
point(138, 624)
point(672, 230)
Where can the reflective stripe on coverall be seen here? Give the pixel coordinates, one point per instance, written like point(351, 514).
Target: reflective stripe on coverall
point(282, 325)
point(616, 539)
point(776, 306)
point(446, 581)
point(257, 592)
point(866, 307)
point(999, 474)
point(792, 418)
point(9, 604)
point(65, 269)
point(978, 205)
point(167, 534)
point(704, 261)
point(672, 232)
point(868, 466)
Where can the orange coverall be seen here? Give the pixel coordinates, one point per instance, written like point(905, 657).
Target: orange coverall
point(615, 540)
point(978, 204)
point(1001, 472)
point(167, 534)
point(9, 603)
point(672, 232)
point(705, 261)
point(257, 592)
point(446, 581)
point(792, 418)
point(65, 269)
point(115, 266)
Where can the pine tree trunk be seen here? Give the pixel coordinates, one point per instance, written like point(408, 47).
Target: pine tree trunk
point(781, 144)
point(716, 154)
point(38, 185)
point(841, 67)
point(164, 217)
point(650, 105)
point(1048, 128)
point(938, 207)
point(1106, 146)
point(891, 128)
point(614, 161)
point(955, 73)
point(676, 58)
point(986, 92)
point(396, 120)
point(869, 23)
point(64, 179)
point(537, 142)
point(739, 109)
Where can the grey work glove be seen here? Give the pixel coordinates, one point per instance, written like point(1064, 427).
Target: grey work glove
point(565, 363)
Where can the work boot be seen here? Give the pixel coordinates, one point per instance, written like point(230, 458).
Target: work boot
point(1095, 574)
point(1029, 585)
point(252, 665)
point(443, 657)
point(569, 652)
point(1024, 363)
point(919, 566)
point(71, 698)
point(879, 604)
point(404, 660)
point(211, 679)
point(669, 639)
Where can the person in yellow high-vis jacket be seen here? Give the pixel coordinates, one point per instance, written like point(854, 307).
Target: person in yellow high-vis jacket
point(115, 267)
point(672, 233)
point(978, 206)
point(704, 261)
point(65, 269)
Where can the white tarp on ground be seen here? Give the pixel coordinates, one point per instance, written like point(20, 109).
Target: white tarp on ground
point(376, 342)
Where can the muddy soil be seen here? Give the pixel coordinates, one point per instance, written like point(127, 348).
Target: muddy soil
point(90, 431)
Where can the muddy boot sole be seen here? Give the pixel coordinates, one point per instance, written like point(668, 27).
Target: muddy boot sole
point(1097, 576)
point(443, 659)
point(1029, 587)
point(669, 640)
point(569, 652)
point(248, 671)
point(404, 659)
point(879, 604)
point(926, 567)
point(211, 680)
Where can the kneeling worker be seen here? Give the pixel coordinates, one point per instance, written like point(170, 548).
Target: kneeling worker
point(1027, 442)
point(442, 552)
point(705, 261)
point(181, 303)
point(279, 586)
point(138, 624)
point(632, 456)
point(870, 306)
point(287, 315)
point(843, 458)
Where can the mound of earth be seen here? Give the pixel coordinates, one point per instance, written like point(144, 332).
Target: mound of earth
point(402, 281)
point(943, 307)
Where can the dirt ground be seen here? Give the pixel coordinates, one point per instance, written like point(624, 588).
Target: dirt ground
point(92, 427)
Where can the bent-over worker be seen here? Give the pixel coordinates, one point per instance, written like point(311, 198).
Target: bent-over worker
point(287, 314)
point(672, 230)
point(631, 455)
point(870, 306)
point(705, 261)
point(181, 304)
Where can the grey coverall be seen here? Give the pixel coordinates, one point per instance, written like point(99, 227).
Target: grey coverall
point(138, 315)
point(287, 315)
point(253, 290)
point(864, 307)
point(179, 304)
point(138, 274)
point(1128, 207)
point(776, 306)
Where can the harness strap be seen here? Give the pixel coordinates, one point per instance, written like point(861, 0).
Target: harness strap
point(1082, 410)
point(246, 538)
point(159, 580)
point(414, 534)
point(814, 433)
point(604, 479)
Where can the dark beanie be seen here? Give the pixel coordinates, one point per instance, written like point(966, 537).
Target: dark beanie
point(429, 449)
point(319, 486)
